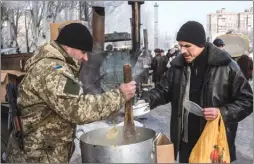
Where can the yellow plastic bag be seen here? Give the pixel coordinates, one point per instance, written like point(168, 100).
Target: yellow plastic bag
point(212, 146)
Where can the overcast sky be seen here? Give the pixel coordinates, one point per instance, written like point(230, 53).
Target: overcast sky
point(172, 14)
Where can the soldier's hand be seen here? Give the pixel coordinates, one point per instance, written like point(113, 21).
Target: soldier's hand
point(128, 89)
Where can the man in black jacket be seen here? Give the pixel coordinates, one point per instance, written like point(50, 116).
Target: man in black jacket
point(207, 76)
point(158, 66)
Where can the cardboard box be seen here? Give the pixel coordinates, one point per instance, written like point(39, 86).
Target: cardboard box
point(164, 150)
point(56, 27)
point(8, 76)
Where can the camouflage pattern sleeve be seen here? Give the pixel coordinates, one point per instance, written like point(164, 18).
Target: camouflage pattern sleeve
point(65, 97)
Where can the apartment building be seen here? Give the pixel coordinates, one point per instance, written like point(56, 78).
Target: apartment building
point(223, 21)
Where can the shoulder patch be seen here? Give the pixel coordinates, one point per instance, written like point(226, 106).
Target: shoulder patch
point(71, 87)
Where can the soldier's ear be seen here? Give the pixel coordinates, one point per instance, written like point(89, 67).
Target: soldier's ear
point(85, 57)
point(66, 48)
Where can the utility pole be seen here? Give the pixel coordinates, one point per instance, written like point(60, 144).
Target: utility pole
point(156, 41)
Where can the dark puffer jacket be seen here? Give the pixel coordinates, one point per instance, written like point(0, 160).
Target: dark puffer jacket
point(225, 87)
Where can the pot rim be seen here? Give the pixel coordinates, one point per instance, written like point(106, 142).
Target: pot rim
point(82, 136)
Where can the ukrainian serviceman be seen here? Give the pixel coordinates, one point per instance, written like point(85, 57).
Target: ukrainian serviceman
point(52, 101)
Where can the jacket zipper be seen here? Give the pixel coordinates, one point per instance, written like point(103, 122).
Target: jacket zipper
point(204, 85)
point(202, 99)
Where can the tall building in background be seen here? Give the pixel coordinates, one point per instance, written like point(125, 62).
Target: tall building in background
point(223, 21)
point(156, 33)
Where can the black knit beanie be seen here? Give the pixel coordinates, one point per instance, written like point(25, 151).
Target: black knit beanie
point(192, 32)
point(76, 35)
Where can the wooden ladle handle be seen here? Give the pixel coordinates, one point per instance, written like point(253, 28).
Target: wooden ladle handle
point(128, 113)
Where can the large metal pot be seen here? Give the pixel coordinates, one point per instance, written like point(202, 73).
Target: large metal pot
point(96, 148)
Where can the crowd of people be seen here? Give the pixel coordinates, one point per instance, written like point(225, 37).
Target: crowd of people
point(161, 61)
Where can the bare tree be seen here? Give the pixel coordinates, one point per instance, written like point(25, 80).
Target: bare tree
point(85, 12)
point(85, 8)
point(27, 25)
point(54, 8)
point(10, 14)
point(37, 15)
point(14, 19)
point(38, 12)
point(4, 18)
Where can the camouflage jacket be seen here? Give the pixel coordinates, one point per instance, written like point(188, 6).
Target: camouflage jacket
point(52, 103)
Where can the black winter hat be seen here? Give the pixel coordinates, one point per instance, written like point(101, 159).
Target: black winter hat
point(192, 32)
point(76, 35)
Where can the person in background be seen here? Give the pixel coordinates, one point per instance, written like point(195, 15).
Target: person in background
point(168, 54)
point(165, 61)
point(154, 64)
point(219, 43)
point(177, 50)
point(246, 65)
point(172, 53)
point(158, 66)
point(162, 52)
